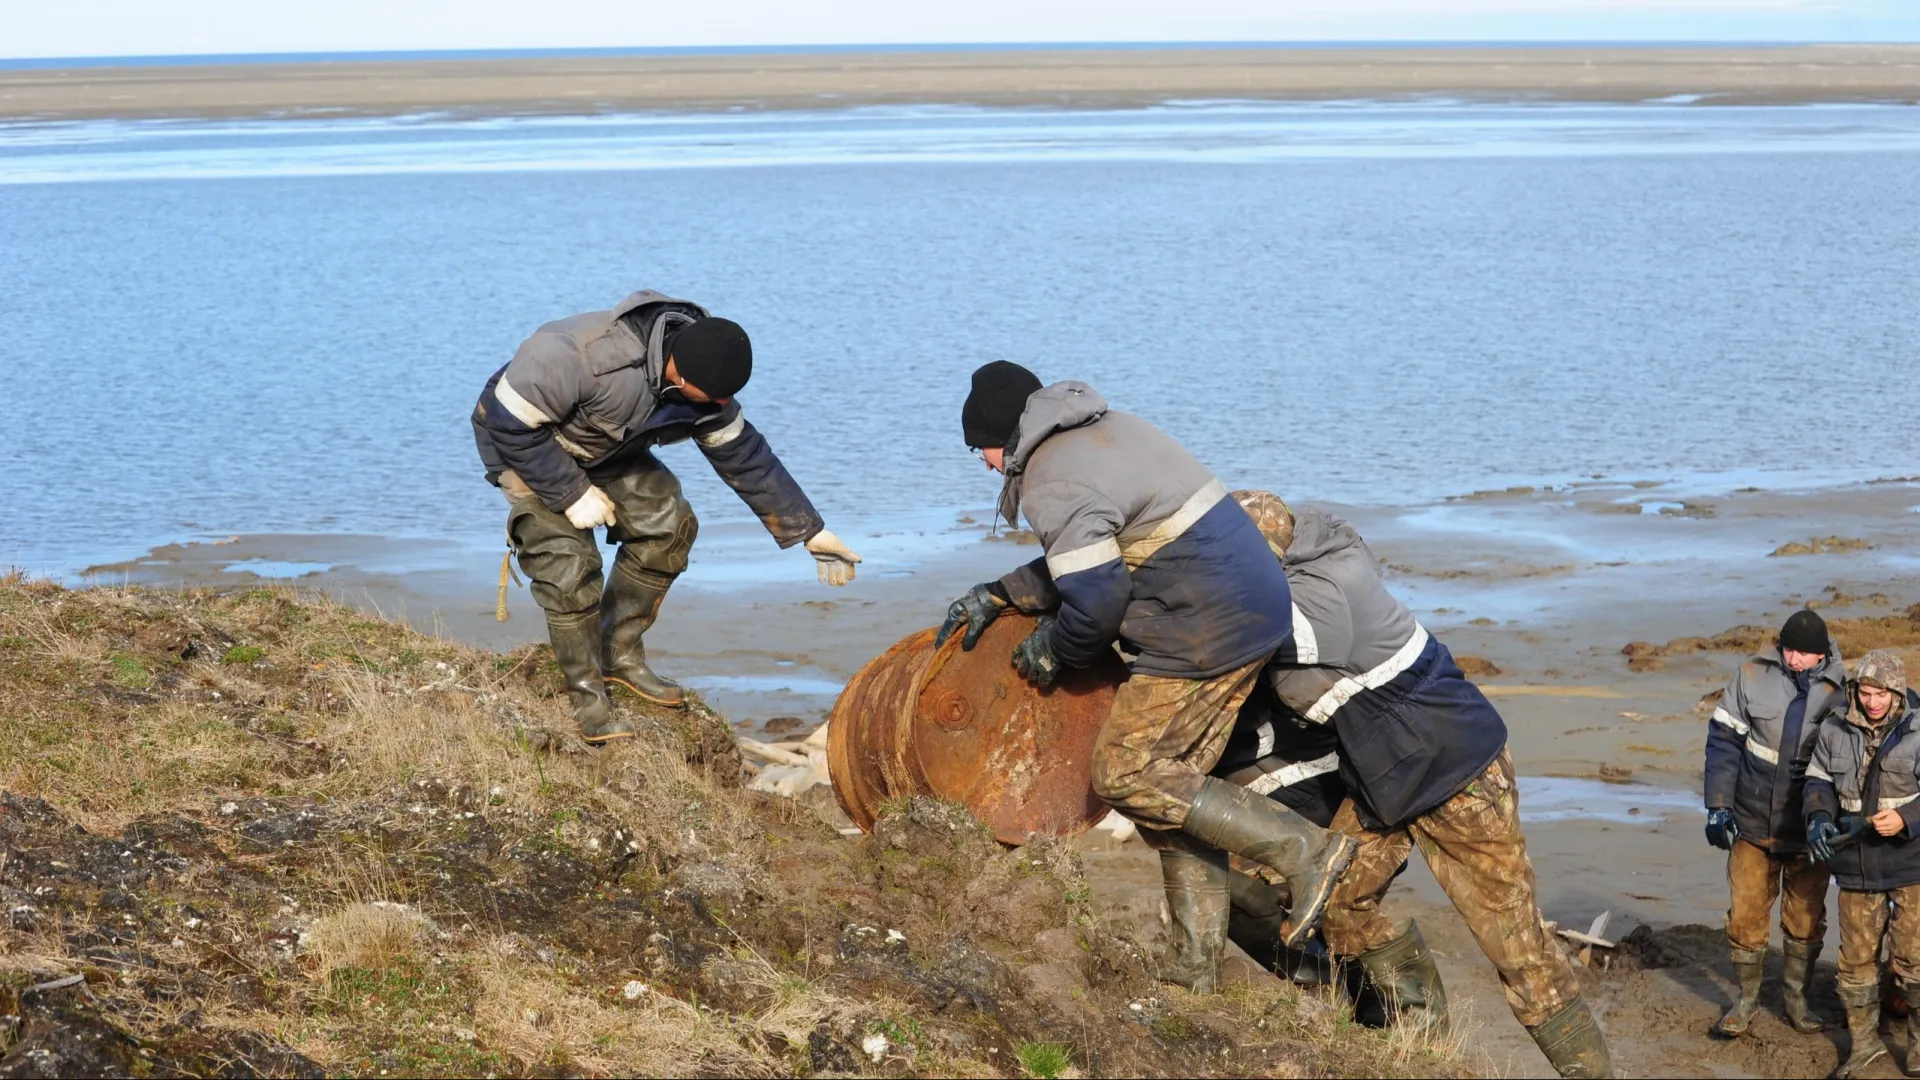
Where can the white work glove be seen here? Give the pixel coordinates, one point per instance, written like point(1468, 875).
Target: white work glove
point(593, 508)
point(833, 559)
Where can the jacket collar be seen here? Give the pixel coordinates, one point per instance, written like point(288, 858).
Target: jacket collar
point(1830, 670)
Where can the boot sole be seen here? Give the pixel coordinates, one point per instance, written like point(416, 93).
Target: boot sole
point(665, 703)
point(1306, 916)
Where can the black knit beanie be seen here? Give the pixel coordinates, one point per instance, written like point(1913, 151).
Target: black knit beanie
point(992, 412)
point(713, 356)
point(1805, 631)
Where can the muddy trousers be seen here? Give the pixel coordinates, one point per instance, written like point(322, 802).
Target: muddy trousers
point(1473, 844)
point(1160, 740)
point(1756, 878)
point(653, 525)
point(1866, 917)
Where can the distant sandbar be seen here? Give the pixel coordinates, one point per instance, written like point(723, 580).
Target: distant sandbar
point(1090, 78)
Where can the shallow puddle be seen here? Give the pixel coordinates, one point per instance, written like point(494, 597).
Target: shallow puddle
point(1568, 798)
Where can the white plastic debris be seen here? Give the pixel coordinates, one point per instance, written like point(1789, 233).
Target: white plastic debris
point(1121, 829)
point(633, 990)
point(896, 937)
point(875, 1046)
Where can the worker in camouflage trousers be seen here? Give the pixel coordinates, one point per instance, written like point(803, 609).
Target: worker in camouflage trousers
point(1758, 744)
point(567, 430)
point(1862, 811)
point(1422, 756)
point(1144, 549)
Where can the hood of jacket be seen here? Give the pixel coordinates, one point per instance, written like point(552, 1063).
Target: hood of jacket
point(1317, 533)
point(1051, 409)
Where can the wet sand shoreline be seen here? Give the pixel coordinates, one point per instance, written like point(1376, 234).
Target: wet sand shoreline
point(1087, 78)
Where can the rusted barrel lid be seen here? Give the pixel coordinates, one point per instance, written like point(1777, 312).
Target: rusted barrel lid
point(964, 726)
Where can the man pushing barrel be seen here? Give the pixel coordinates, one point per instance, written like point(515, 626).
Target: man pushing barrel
point(1145, 549)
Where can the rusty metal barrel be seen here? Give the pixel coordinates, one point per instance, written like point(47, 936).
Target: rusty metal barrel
point(964, 726)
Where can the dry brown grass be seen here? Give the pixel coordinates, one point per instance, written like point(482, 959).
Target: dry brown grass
point(536, 1017)
point(457, 812)
point(366, 935)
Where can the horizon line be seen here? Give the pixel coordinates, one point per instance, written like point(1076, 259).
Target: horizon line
point(364, 55)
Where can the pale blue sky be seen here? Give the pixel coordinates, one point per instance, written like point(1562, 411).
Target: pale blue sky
point(41, 28)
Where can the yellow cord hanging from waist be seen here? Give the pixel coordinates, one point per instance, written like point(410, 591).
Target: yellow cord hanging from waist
point(506, 574)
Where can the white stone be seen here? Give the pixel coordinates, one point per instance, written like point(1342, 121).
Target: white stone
point(633, 990)
point(875, 1047)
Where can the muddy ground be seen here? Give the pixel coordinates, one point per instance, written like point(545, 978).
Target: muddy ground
point(1549, 588)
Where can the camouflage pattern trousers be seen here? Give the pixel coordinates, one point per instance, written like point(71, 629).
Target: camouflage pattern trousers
point(1867, 917)
point(653, 524)
point(1161, 738)
point(1473, 844)
point(1756, 878)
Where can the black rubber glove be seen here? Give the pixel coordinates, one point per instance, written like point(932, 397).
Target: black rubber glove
point(1852, 827)
point(1034, 659)
point(1820, 834)
point(1721, 829)
point(979, 607)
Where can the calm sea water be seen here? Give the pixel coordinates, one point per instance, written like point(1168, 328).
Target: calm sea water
point(209, 329)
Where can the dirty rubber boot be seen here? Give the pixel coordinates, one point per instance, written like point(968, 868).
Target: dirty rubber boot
point(627, 611)
point(1233, 819)
point(576, 646)
point(1863, 1026)
point(1573, 1043)
point(1749, 966)
point(1794, 975)
point(1912, 1065)
point(1196, 884)
point(1404, 971)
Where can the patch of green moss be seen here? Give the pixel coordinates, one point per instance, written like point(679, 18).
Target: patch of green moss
point(129, 671)
point(243, 654)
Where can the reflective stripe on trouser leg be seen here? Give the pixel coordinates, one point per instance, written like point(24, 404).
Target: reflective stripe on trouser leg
point(1160, 739)
point(1474, 846)
point(1354, 922)
point(562, 563)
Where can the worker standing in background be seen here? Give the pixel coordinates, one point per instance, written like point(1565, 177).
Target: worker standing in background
point(1758, 744)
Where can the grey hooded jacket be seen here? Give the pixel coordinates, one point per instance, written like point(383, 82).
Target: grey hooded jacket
point(1413, 732)
point(1143, 546)
point(1847, 776)
point(1750, 768)
point(584, 397)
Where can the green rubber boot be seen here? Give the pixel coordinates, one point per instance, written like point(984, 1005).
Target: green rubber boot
point(1794, 975)
point(1233, 819)
point(627, 612)
point(1749, 966)
point(1404, 971)
point(576, 646)
point(1863, 1026)
point(1196, 884)
point(1573, 1043)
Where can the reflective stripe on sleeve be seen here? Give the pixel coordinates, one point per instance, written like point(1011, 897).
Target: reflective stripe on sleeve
point(723, 435)
point(523, 410)
point(1344, 690)
point(1722, 716)
point(1815, 772)
point(1295, 773)
point(1178, 522)
point(1895, 804)
point(1761, 751)
point(1306, 647)
point(1095, 554)
point(1851, 806)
